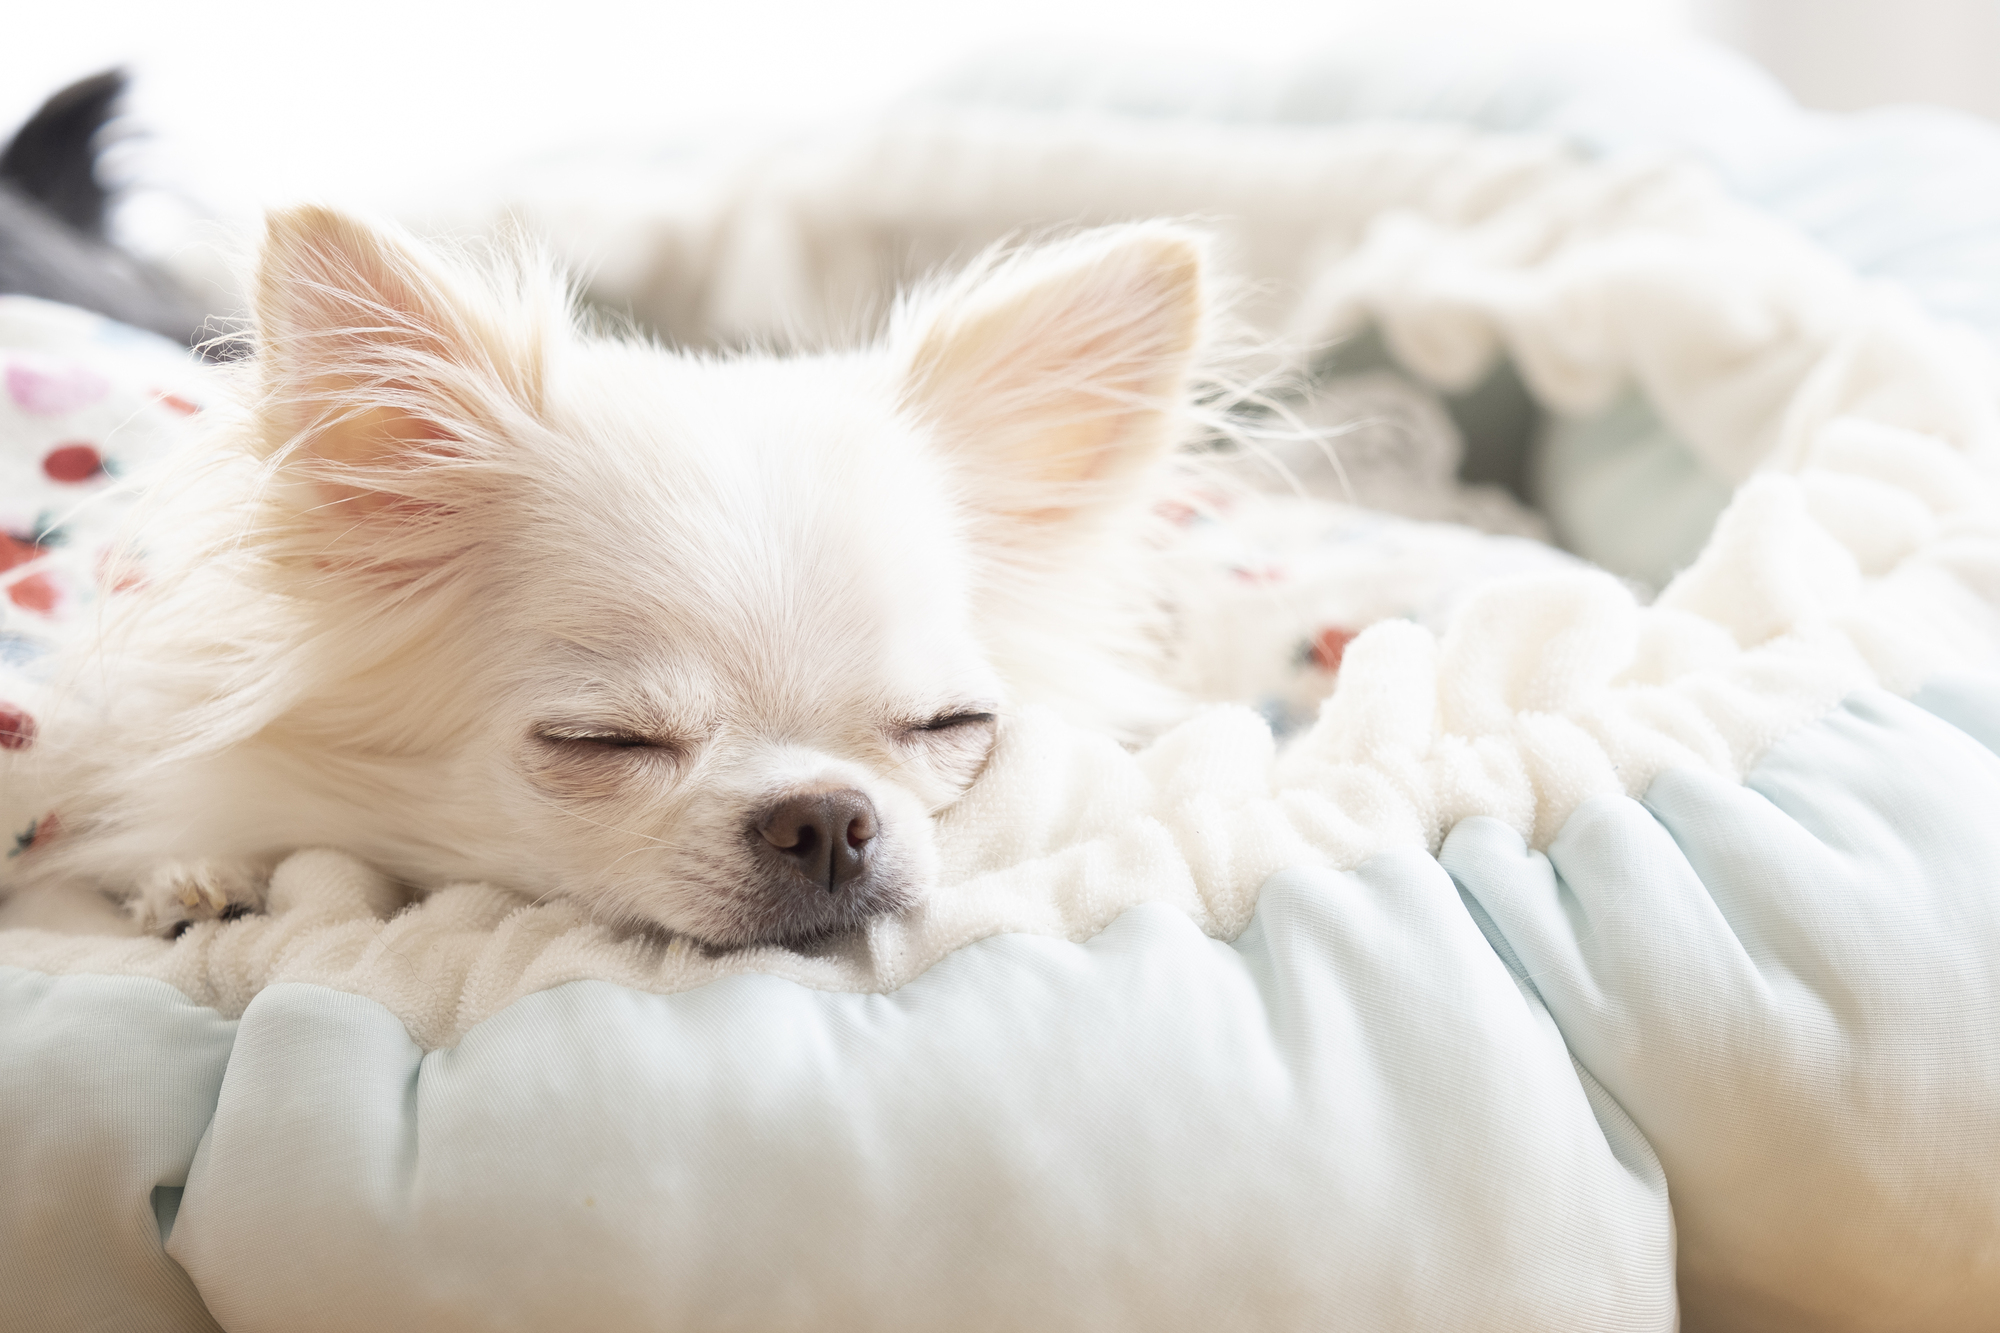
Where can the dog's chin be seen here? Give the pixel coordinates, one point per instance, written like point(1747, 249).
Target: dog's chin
point(800, 922)
point(777, 910)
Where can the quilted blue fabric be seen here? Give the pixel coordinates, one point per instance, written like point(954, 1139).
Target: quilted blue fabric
point(1794, 987)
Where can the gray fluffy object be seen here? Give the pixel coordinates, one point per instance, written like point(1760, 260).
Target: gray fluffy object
point(52, 218)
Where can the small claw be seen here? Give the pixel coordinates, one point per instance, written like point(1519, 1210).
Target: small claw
point(195, 891)
point(175, 896)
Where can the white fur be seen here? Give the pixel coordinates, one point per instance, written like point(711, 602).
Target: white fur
point(448, 542)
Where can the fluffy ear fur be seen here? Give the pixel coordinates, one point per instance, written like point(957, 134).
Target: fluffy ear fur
point(390, 382)
point(1056, 381)
point(1056, 377)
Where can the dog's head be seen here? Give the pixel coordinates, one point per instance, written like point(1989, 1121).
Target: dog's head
point(704, 643)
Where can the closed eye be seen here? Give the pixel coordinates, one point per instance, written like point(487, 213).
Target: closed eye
point(952, 747)
point(949, 721)
point(590, 761)
point(608, 740)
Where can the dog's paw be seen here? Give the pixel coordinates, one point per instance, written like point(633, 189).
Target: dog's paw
point(176, 894)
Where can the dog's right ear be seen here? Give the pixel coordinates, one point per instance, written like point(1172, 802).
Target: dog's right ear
point(1055, 376)
point(388, 375)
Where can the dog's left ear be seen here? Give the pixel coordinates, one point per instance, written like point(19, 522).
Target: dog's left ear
point(1057, 375)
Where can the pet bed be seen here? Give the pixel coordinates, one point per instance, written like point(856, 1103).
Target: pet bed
point(1603, 960)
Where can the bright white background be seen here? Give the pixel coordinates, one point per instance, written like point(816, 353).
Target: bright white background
point(366, 102)
point(254, 101)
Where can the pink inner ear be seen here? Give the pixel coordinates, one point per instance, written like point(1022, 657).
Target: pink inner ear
point(361, 464)
point(389, 374)
point(1057, 381)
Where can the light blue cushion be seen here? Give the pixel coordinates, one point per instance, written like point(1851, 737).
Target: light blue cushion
point(1794, 987)
point(1353, 1108)
point(106, 1086)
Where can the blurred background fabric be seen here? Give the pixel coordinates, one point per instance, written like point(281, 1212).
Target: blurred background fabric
point(247, 103)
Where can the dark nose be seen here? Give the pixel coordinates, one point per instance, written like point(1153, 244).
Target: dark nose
point(825, 833)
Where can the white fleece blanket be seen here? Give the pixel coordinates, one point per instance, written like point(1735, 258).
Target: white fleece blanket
point(1862, 548)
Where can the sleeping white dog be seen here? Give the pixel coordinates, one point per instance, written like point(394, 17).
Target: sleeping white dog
point(477, 594)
